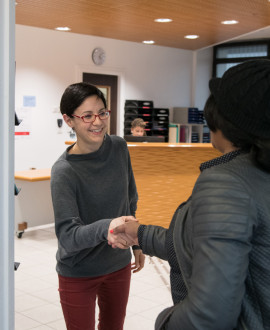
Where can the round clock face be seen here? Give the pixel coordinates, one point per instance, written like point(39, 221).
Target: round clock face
point(98, 56)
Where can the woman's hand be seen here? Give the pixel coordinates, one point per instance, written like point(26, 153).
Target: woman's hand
point(139, 261)
point(126, 234)
point(119, 241)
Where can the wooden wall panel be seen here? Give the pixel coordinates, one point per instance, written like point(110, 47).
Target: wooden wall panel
point(165, 177)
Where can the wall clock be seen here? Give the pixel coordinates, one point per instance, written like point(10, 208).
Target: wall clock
point(98, 56)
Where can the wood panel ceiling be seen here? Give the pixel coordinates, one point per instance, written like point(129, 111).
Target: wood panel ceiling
point(133, 20)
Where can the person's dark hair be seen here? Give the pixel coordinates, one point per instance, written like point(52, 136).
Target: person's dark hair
point(75, 95)
point(216, 121)
point(260, 148)
point(261, 153)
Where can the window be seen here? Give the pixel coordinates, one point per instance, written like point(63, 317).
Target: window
point(230, 54)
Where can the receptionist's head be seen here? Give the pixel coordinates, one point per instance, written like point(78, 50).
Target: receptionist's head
point(138, 127)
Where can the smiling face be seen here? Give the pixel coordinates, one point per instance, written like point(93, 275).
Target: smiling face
point(90, 136)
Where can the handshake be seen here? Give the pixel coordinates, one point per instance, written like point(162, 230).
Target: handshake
point(122, 232)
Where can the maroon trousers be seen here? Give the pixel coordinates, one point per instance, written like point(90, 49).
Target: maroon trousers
point(78, 300)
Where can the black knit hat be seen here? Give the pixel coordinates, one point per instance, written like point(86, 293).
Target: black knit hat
point(243, 96)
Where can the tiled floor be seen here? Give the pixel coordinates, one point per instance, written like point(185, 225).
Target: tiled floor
point(36, 297)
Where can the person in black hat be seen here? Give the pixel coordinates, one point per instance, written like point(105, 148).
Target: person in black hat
point(218, 242)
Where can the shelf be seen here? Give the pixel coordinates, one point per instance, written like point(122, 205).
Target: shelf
point(156, 119)
point(189, 133)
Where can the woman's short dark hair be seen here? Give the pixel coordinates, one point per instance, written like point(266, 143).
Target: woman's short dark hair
point(75, 95)
point(260, 148)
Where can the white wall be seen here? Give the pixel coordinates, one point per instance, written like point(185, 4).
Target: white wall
point(48, 61)
point(203, 74)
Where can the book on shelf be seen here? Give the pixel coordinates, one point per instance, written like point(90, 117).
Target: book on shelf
point(179, 133)
point(184, 133)
point(174, 133)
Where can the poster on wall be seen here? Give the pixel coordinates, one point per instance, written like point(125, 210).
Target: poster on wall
point(23, 130)
point(24, 114)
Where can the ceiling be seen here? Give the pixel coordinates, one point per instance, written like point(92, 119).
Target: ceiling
point(133, 20)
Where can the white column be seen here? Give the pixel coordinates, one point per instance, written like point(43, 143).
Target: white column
point(193, 79)
point(7, 83)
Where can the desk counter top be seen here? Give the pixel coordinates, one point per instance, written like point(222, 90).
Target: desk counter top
point(34, 175)
point(169, 145)
point(162, 145)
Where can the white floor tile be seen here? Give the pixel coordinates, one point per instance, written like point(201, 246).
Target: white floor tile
point(153, 279)
point(51, 278)
point(51, 296)
point(32, 285)
point(24, 323)
point(18, 293)
point(39, 271)
point(27, 301)
point(21, 276)
point(152, 313)
point(58, 325)
point(42, 327)
point(137, 322)
point(160, 294)
point(138, 304)
point(21, 249)
point(137, 287)
point(45, 314)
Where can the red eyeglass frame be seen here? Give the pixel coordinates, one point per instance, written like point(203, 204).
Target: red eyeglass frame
point(82, 117)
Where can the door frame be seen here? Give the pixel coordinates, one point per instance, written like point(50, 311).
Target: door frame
point(80, 69)
point(110, 83)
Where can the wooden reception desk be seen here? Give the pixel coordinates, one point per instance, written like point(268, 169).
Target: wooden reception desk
point(165, 174)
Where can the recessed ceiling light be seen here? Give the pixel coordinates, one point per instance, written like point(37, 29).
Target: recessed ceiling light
point(149, 42)
point(62, 28)
point(230, 22)
point(164, 20)
point(192, 36)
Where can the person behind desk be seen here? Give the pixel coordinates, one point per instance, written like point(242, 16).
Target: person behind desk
point(218, 242)
point(138, 127)
point(92, 187)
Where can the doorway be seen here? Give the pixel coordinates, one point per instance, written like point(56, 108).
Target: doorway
point(107, 83)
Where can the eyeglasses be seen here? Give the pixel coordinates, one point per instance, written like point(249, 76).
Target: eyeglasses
point(91, 117)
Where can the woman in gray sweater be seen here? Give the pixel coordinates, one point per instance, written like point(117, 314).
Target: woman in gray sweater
point(218, 242)
point(92, 187)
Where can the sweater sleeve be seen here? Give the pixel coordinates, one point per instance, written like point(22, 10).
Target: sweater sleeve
point(152, 240)
point(72, 233)
point(223, 216)
point(133, 195)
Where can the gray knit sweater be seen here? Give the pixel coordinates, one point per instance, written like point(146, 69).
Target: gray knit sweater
point(88, 191)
